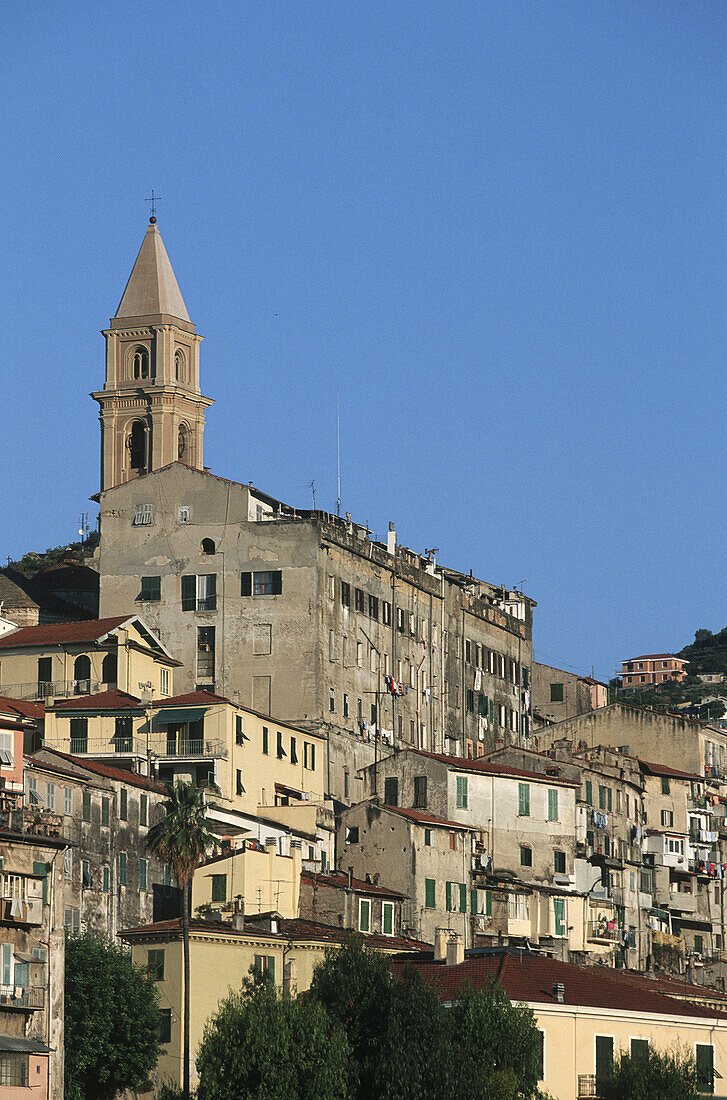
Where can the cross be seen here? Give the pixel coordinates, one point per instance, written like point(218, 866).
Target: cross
point(153, 200)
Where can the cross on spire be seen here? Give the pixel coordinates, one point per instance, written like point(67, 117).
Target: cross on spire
point(153, 200)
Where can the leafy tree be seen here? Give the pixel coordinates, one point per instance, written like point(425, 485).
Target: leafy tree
point(265, 1047)
point(670, 1076)
point(111, 1021)
point(181, 839)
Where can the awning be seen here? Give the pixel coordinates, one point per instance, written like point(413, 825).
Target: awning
point(173, 717)
point(23, 1046)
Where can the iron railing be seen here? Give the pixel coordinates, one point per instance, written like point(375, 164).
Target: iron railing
point(63, 689)
point(15, 996)
point(586, 1085)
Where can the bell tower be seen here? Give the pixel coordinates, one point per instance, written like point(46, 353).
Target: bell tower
point(151, 406)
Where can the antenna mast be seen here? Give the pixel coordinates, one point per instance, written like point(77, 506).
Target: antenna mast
point(338, 426)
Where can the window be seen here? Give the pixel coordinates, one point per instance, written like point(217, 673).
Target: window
point(164, 678)
point(267, 582)
point(238, 782)
point(332, 700)
point(526, 856)
point(524, 799)
point(143, 513)
point(400, 619)
point(155, 964)
point(15, 1069)
point(219, 887)
point(541, 1056)
point(50, 796)
point(374, 608)
point(462, 792)
point(552, 805)
point(604, 798)
point(345, 594)
point(451, 896)
point(265, 740)
point(559, 862)
point(205, 653)
point(556, 693)
point(559, 917)
point(667, 818)
point(45, 675)
point(151, 589)
point(518, 907)
point(345, 705)
point(143, 809)
point(391, 790)
point(359, 654)
point(183, 514)
point(105, 811)
point(665, 789)
point(470, 701)
point(359, 599)
point(124, 804)
point(199, 592)
point(86, 879)
point(420, 792)
point(364, 915)
point(142, 874)
point(427, 838)
point(309, 756)
point(699, 944)
point(352, 834)
point(239, 731)
point(429, 894)
point(453, 841)
point(207, 546)
point(123, 734)
point(122, 868)
point(281, 751)
point(82, 675)
point(293, 751)
point(86, 806)
point(68, 801)
point(69, 864)
point(72, 920)
point(386, 613)
point(164, 1027)
point(387, 918)
point(264, 967)
point(705, 1067)
point(140, 362)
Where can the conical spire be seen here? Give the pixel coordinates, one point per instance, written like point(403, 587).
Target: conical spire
point(152, 287)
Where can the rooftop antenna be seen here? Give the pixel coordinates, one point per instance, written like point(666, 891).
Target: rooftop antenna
point(338, 425)
point(313, 490)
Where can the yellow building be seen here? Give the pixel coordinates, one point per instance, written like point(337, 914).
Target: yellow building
point(221, 956)
point(588, 1015)
point(259, 874)
point(68, 660)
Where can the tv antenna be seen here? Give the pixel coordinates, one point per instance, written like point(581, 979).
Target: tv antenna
point(313, 490)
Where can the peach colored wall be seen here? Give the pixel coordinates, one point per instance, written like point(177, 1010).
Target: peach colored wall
point(37, 1081)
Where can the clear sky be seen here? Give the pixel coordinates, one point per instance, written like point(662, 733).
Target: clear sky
point(495, 229)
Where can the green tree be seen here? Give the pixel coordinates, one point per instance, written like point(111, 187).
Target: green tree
point(181, 839)
point(261, 1046)
point(670, 1075)
point(111, 1021)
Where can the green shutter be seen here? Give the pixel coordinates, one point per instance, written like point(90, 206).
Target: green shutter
point(639, 1049)
point(488, 903)
point(429, 893)
point(473, 903)
point(463, 897)
point(705, 1067)
point(246, 584)
point(608, 795)
point(364, 911)
point(482, 706)
point(492, 710)
point(461, 792)
point(523, 800)
point(552, 805)
point(277, 578)
point(604, 1060)
point(589, 792)
point(271, 968)
point(388, 919)
point(448, 896)
point(559, 914)
point(42, 869)
point(189, 593)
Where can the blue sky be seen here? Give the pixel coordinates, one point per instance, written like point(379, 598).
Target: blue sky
point(495, 229)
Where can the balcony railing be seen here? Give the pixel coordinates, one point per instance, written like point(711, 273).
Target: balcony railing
point(137, 746)
point(32, 820)
point(62, 689)
point(15, 996)
point(193, 746)
point(599, 930)
point(103, 746)
point(586, 1085)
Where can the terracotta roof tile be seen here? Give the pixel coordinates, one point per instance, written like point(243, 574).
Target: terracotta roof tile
point(340, 882)
point(661, 769)
point(22, 706)
point(191, 699)
point(89, 630)
point(103, 700)
point(482, 765)
point(424, 819)
point(119, 774)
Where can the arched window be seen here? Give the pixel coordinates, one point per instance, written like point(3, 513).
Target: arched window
point(137, 444)
point(183, 437)
point(82, 675)
point(180, 366)
point(141, 362)
point(108, 669)
point(208, 546)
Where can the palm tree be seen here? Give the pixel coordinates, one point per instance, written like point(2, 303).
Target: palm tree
point(182, 839)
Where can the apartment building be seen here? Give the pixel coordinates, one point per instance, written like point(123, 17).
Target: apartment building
point(652, 669)
point(558, 694)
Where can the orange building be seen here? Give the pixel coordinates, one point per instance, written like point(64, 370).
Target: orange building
point(651, 669)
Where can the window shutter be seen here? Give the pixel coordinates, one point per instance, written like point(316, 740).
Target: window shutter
point(42, 869)
point(473, 902)
point(277, 577)
point(488, 903)
point(189, 592)
point(705, 1067)
point(246, 585)
point(463, 897)
point(448, 896)
point(429, 893)
point(388, 921)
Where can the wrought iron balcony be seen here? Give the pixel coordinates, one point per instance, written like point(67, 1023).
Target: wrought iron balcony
point(104, 746)
point(168, 748)
point(61, 689)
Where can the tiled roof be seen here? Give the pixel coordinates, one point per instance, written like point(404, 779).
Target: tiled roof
point(661, 769)
point(119, 774)
point(191, 699)
point(287, 930)
point(16, 590)
point(673, 987)
point(22, 706)
point(656, 657)
point(531, 978)
point(103, 700)
point(90, 630)
point(482, 765)
point(340, 881)
point(424, 819)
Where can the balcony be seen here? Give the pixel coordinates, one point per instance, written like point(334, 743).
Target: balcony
point(27, 997)
point(32, 820)
point(21, 910)
point(169, 749)
point(59, 689)
point(600, 932)
point(586, 1085)
point(102, 746)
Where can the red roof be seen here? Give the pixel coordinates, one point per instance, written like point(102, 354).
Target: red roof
point(103, 700)
point(340, 881)
point(22, 706)
point(671, 773)
point(191, 699)
point(657, 657)
point(287, 930)
point(119, 774)
point(481, 765)
point(531, 978)
point(424, 819)
point(57, 633)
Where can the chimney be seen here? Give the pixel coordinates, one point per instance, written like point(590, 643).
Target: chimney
point(559, 992)
point(391, 540)
point(271, 844)
point(440, 945)
point(455, 951)
point(290, 977)
point(238, 914)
